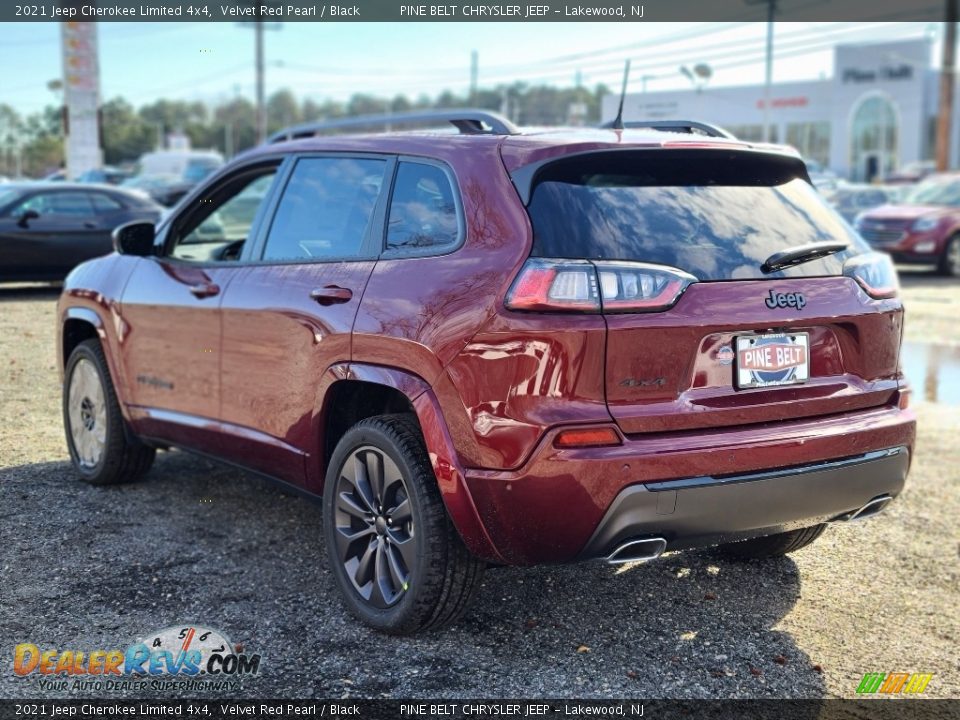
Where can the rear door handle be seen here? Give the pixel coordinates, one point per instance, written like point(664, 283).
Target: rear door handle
point(205, 290)
point(331, 294)
point(90, 225)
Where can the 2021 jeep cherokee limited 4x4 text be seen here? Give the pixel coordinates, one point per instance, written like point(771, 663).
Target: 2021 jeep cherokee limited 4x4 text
point(498, 347)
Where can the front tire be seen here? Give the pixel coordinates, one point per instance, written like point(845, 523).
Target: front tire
point(770, 546)
point(102, 450)
point(398, 562)
point(950, 260)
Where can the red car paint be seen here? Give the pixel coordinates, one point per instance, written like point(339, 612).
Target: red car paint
point(239, 362)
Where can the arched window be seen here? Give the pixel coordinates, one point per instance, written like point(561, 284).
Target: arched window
point(874, 134)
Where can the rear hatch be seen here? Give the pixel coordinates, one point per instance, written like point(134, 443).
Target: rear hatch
point(671, 246)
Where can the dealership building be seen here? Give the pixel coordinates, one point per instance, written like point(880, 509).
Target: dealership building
point(877, 113)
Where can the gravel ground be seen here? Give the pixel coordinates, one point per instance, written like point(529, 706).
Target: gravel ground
point(90, 568)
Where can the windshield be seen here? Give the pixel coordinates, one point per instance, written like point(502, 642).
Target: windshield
point(718, 219)
point(935, 192)
point(8, 196)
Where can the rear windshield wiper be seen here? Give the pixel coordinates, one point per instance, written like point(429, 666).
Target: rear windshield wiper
point(801, 254)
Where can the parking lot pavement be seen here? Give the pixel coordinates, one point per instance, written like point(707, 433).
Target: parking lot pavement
point(95, 568)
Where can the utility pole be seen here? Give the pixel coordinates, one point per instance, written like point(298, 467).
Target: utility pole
point(948, 75)
point(261, 102)
point(258, 27)
point(771, 11)
point(474, 72)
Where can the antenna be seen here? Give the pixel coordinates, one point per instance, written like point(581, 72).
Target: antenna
point(618, 121)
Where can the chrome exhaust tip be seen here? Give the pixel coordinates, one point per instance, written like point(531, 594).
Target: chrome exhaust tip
point(869, 510)
point(638, 551)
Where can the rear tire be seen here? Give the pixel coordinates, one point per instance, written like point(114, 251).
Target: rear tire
point(949, 264)
point(398, 561)
point(772, 545)
point(102, 448)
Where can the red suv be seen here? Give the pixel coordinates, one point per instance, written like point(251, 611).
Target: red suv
point(923, 228)
point(495, 347)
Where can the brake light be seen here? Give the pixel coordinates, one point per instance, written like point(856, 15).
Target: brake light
point(875, 273)
point(583, 286)
point(586, 437)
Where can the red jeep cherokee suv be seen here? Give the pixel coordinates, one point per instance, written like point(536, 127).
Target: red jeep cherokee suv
point(502, 347)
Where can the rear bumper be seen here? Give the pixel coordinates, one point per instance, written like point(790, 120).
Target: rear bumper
point(724, 484)
point(704, 511)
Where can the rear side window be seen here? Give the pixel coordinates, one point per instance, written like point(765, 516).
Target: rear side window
point(715, 215)
point(423, 213)
point(104, 204)
point(326, 209)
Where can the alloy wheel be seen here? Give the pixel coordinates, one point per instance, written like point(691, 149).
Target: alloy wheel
point(374, 527)
point(87, 411)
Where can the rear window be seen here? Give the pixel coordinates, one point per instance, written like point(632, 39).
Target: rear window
point(715, 215)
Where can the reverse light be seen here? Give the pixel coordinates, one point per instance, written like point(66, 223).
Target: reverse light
point(583, 286)
point(586, 437)
point(640, 287)
point(875, 273)
point(925, 224)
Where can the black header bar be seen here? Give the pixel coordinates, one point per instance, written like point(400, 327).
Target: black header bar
point(453, 11)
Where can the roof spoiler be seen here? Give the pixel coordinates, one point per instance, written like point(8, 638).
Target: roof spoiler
point(467, 121)
point(689, 127)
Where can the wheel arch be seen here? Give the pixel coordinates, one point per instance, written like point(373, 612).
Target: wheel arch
point(358, 391)
point(77, 324)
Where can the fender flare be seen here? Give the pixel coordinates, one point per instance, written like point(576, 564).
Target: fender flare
point(440, 448)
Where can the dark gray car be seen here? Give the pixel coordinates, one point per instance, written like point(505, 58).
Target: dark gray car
point(47, 229)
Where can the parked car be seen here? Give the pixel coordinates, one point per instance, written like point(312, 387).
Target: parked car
point(850, 199)
point(923, 228)
point(911, 173)
point(822, 177)
point(502, 347)
point(46, 229)
point(190, 166)
point(105, 175)
point(166, 190)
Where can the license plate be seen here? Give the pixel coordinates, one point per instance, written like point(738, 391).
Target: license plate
point(771, 360)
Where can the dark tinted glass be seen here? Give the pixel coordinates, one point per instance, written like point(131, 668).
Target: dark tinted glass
point(326, 209)
point(59, 204)
point(104, 204)
point(422, 211)
point(716, 216)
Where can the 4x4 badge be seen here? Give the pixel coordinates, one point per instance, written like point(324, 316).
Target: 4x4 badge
point(794, 300)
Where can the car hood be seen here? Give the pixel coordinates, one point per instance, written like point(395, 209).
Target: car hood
point(904, 212)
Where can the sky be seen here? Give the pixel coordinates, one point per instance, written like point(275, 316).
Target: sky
point(213, 62)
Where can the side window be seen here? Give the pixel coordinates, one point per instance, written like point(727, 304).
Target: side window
point(422, 210)
point(215, 227)
point(57, 204)
point(326, 209)
point(103, 204)
point(72, 204)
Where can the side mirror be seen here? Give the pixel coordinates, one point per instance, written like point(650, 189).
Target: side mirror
point(26, 217)
point(134, 238)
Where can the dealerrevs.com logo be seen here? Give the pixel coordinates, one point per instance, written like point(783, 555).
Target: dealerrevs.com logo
point(190, 657)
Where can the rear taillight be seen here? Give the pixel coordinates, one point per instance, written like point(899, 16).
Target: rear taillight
point(582, 286)
point(875, 273)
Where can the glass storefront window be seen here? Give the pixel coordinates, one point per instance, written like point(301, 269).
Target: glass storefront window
point(811, 139)
point(874, 134)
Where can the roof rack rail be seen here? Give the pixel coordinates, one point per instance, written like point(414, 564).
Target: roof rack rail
point(691, 127)
point(467, 121)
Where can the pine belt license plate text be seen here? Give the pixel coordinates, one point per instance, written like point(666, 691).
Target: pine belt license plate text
point(770, 360)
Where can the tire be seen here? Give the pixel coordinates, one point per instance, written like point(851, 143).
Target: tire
point(102, 448)
point(949, 264)
point(414, 573)
point(772, 545)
